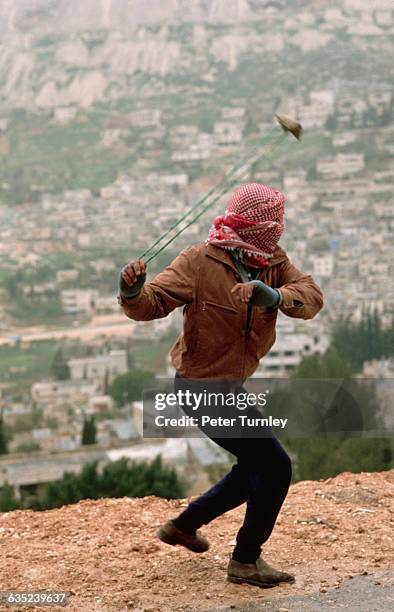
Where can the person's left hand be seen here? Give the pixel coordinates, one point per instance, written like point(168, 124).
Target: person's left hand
point(243, 291)
point(263, 295)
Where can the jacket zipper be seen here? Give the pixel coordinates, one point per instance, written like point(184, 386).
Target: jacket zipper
point(248, 316)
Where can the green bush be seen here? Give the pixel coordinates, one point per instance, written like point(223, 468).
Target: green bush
point(322, 458)
point(117, 479)
point(129, 387)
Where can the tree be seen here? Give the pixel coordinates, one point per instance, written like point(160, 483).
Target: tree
point(59, 367)
point(329, 365)
point(359, 341)
point(120, 478)
point(7, 498)
point(333, 416)
point(3, 437)
point(331, 123)
point(129, 387)
point(89, 430)
point(28, 447)
point(322, 458)
point(117, 479)
point(11, 285)
point(106, 382)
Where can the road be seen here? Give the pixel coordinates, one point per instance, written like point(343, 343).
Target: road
point(108, 325)
point(371, 593)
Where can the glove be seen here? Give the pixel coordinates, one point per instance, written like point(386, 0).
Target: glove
point(257, 293)
point(132, 279)
point(264, 296)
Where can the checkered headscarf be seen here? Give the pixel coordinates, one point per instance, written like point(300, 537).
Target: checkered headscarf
point(253, 223)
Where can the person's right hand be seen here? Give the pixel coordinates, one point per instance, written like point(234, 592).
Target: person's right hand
point(133, 271)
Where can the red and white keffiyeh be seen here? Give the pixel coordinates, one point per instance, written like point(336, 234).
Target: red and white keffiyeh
point(253, 223)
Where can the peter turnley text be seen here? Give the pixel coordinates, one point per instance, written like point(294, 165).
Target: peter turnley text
point(203, 420)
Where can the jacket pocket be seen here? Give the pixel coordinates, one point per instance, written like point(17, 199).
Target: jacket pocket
point(208, 303)
point(216, 331)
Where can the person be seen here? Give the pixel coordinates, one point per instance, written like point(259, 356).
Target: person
point(231, 287)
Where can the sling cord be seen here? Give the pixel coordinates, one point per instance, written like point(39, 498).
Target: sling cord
point(228, 181)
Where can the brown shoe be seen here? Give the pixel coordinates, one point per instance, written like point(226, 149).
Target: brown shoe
point(170, 534)
point(259, 574)
point(273, 574)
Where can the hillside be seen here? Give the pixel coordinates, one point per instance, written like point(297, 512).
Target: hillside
point(105, 553)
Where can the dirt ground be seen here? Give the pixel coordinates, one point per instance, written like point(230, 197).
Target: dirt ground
point(105, 553)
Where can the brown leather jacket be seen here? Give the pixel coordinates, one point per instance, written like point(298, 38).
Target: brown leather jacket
point(221, 337)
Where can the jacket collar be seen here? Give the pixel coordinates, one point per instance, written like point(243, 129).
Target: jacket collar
point(224, 256)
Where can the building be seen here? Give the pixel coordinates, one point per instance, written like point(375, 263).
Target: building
point(3, 124)
point(350, 163)
point(226, 133)
point(145, 117)
point(289, 349)
point(59, 393)
point(194, 153)
point(233, 113)
point(341, 165)
point(323, 265)
point(100, 404)
point(75, 301)
point(64, 276)
point(109, 365)
point(343, 138)
point(64, 114)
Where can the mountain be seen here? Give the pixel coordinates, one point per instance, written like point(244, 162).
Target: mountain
point(187, 59)
point(61, 52)
point(72, 15)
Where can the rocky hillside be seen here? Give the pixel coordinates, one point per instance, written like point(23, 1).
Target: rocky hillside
point(90, 89)
point(62, 52)
point(105, 554)
point(123, 14)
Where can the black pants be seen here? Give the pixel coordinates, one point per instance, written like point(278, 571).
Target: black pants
point(261, 478)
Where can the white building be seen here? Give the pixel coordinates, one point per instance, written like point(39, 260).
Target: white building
point(343, 138)
point(298, 194)
point(233, 113)
point(106, 304)
point(384, 18)
point(289, 349)
point(110, 364)
point(350, 163)
point(323, 265)
point(227, 133)
point(145, 117)
point(78, 300)
point(100, 403)
point(64, 276)
point(112, 136)
point(175, 180)
point(64, 114)
point(341, 165)
point(380, 100)
point(60, 392)
point(194, 153)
